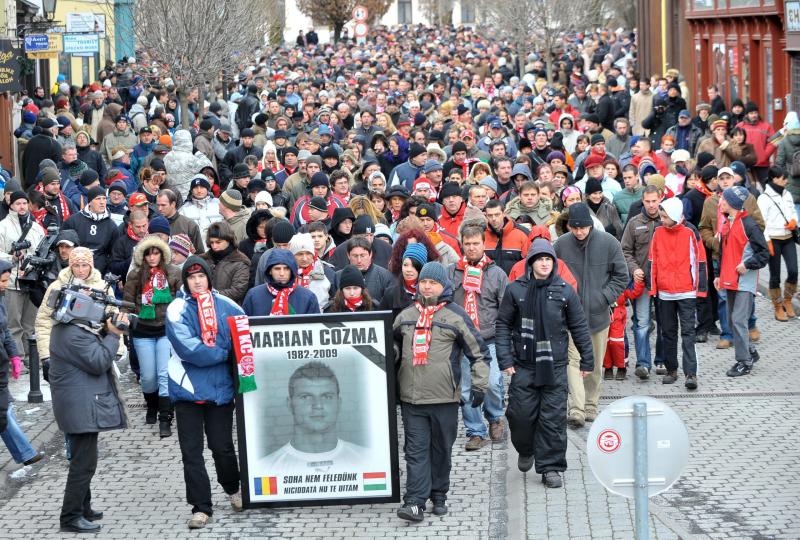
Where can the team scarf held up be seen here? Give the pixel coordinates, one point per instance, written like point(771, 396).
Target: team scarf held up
point(243, 348)
point(280, 305)
point(422, 332)
point(155, 291)
point(473, 279)
point(207, 315)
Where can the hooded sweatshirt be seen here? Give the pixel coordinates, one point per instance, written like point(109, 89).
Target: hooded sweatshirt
point(258, 301)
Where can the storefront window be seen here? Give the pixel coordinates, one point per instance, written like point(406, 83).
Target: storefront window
point(768, 80)
point(733, 66)
point(744, 3)
point(704, 4)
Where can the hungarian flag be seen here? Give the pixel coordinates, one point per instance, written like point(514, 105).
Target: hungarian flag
point(374, 481)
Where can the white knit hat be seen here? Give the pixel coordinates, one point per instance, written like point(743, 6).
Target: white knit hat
point(301, 242)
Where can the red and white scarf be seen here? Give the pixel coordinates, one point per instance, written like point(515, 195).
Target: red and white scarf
point(280, 304)
point(473, 279)
point(410, 287)
point(422, 332)
point(62, 202)
point(354, 303)
point(208, 318)
point(304, 274)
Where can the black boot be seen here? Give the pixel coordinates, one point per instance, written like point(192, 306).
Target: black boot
point(151, 400)
point(164, 417)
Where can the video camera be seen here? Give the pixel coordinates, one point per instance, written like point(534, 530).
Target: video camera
point(76, 303)
point(36, 271)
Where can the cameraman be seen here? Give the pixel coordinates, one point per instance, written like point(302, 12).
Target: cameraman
point(80, 271)
point(86, 401)
point(19, 229)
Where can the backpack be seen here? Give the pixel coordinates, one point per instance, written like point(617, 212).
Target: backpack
point(794, 167)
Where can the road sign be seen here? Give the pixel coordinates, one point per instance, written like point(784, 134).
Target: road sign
point(360, 13)
point(361, 30)
point(610, 446)
point(52, 49)
point(81, 44)
point(36, 42)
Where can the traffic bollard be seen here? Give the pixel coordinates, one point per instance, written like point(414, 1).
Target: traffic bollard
point(640, 474)
point(35, 392)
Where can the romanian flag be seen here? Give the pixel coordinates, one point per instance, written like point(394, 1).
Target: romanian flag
point(374, 481)
point(265, 485)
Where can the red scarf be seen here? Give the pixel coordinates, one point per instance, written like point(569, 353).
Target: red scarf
point(422, 332)
point(132, 235)
point(208, 318)
point(701, 187)
point(304, 274)
point(280, 305)
point(39, 216)
point(410, 287)
point(473, 279)
point(354, 303)
point(62, 201)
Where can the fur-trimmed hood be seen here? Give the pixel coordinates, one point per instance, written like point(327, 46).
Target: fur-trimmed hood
point(151, 240)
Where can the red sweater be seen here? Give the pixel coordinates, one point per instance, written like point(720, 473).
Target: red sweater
point(677, 263)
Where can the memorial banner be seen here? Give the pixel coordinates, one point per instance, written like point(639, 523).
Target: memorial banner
point(321, 426)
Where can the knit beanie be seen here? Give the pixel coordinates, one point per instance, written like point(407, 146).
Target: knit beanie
point(435, 271)
point(350, 276)
point(231, 199)
point(593, 185)
point(735, 196)
point(301, 242)
point(181, 243)
point(580, 216)
point(50, 176)
point(89, 176)
point(282, 232)
point(95, 192)
point(416, 252)
point(81, 255)
point(415, 150)
point(158, 224)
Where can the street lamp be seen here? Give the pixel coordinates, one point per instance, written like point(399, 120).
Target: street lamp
point(49, 9)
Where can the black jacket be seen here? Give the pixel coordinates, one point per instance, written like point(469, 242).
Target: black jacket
point(249, 106)
point(563, 312)
point(41, 146)
point(395, 299)
point(97, 235)
point(381, 253)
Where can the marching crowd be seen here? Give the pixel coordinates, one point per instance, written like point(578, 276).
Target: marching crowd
point(510, 224)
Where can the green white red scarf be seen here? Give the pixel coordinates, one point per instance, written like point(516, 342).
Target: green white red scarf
point(155, 291)
point(280, 304)
point(422, 332)
point(243, 348)
point(473, 279)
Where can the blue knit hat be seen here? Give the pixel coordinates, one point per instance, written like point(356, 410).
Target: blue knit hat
point(435, 271)
point(735, 196)
point(158, 224)
point(416, 252)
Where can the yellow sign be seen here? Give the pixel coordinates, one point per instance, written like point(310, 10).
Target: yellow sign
point(54, 46)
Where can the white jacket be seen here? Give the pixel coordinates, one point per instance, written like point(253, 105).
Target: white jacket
point(771, 205)
point(203, 212)
point(10, 232)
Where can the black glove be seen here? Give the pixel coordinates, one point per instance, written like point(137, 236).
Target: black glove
point(476, 396)
point(3, 422)
point(46, 369)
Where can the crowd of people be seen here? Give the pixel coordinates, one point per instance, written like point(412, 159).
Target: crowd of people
point(510, 224)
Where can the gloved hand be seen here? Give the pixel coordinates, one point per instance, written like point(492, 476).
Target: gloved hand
point(771, 249)
point(792, 225)
point(16, 366)
point(476, 397)
point(46, 369)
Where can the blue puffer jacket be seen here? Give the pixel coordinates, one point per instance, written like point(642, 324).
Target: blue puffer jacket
point(198, 372)
point(258, 301)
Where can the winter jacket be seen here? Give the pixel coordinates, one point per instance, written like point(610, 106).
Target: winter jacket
point(564, 316)
point(624, 199)
point(690, 135)
point(322, 276)
point(198, 372)
point(203, 145)
point(741, 152)
point(139, 154)
point(742, 243)
point(381, 253)
point(789, 145)
point(107, 124)
point(778, 210)
point(39, 147)
point(395, 299)
point(377, 280)
point(711, 219)
point(296, 186)
point(453, 336)
point(230, 276)
point(659, 122)
point(10, 232)
point(636, 240)
point(609, 217)
point(181, 163)
point(8, 349)
point(236, 155)
point(601, 272)
point(93, 160)
point(508, 245)
point(203, 212)
point(758, 135)
point(404, 175)
point(180, 224)
point(710, 145)
point(122, 252)
point(126, 139)
point(258, 301)
point(238, 223)
point(83, 383)
point(678, 266)
point(619, 317)
point(97, 232)
point(493, 285)
point(541, 214)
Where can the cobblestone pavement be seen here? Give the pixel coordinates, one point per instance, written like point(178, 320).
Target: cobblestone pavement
point(741, 482)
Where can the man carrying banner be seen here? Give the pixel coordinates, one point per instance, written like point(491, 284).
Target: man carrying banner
point(430, 337)
point(202, 387)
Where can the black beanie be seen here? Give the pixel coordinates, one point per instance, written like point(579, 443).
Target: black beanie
point(593, 185)
point(17, 195)
point(350, 277)
point(95, 192)
point(703, 159)
point(580, 216)
point(459, 147)
point(415, 150)
point(89, 176)
point(195, 265)
point(282, 232)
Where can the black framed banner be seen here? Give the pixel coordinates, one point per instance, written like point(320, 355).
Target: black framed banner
point(321, 427)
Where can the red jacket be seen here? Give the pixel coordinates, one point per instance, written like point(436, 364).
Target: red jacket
point(616, 332)
point(451, 223)
point(758, 135)
point(563, 272)
point(509, 247)
point(677, 262)
point(742, 242)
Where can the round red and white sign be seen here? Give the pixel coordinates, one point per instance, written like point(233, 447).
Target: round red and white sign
point(360, 13)
point(361, 30)
point(608, 441)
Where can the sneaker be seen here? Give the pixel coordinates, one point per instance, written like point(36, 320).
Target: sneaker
point(755, 334)
point(622, 374)
point(552, 479)
point(524, 463)
point(661, 369)
point(701, 337)
point(691, 382)
point(642, 372)
point(724, 344)
point(497, 430)
point(590, 416)
point(738, 369)
point(199, 520)
point(236, 501)
point(754, 355)
point(670, 378)
point(475, 443)
point(608, 374)
point(576, 420)
point(411, 512)
point(439, 507)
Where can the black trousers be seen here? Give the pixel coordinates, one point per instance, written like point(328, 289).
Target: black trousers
point(216, 421)
point(430, 431)
point(82, 465)
point(537, 418)
point(674, 312)
point(787, 250)
point(707, 306)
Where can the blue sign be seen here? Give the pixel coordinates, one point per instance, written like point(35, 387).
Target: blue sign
point(36, 42)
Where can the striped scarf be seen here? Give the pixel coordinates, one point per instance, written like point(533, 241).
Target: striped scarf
point(422, 332)
point(280, 305)
point(473, 279)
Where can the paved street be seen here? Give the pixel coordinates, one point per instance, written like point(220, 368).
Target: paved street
point(742, 480)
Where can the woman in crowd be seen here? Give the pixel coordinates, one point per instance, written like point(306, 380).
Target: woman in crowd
point(352, 295)
point(230, 268)
point(410, 253)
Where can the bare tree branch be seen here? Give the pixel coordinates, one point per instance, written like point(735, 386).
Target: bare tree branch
point(336, 13)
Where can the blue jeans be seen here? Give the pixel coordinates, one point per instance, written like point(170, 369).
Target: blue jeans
point(492, 404)
point(722, 312)
point(641, 332)
point(16, 441)
point(153, 356)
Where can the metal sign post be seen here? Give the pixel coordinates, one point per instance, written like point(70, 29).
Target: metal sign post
point(637, 448)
